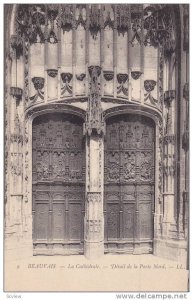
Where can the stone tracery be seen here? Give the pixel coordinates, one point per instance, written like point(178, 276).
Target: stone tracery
point(146, 31)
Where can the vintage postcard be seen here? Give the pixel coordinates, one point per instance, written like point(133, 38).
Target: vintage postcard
point(96, 147)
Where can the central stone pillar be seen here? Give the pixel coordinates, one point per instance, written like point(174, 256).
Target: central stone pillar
point(94, 131)
point(94, 220)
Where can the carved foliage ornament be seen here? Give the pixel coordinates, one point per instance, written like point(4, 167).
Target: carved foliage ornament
point(158, 25)
point(66, 79)
point(149, 86)
point(38, 85)
point(122, 79)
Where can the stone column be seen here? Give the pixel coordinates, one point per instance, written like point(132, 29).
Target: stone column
point(94, 131)
point(169, 167)
point(94, 219)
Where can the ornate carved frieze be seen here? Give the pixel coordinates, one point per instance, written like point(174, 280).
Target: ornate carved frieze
point(94, 117)
point(38, 85)
point(66, 79)
point(16, 93)
point(149, 86)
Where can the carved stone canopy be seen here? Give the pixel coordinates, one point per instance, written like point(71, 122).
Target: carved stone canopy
point(16, 93)
point(17, 45)
point(169, 96)
point(169, 48)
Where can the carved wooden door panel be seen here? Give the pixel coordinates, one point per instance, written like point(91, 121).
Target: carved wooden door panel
point(58, 184)
point(129, 184)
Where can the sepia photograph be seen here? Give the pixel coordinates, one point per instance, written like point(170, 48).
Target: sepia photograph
point(96, 147)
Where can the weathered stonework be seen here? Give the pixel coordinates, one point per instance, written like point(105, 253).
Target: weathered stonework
point(97, 130)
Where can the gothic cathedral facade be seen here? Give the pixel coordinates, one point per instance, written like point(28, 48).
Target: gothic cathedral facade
point(96, 129)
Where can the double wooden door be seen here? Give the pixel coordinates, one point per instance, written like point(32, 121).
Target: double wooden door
point(58, 184)
point(129, 184)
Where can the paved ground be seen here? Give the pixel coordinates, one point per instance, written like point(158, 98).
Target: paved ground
point(108, 273)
